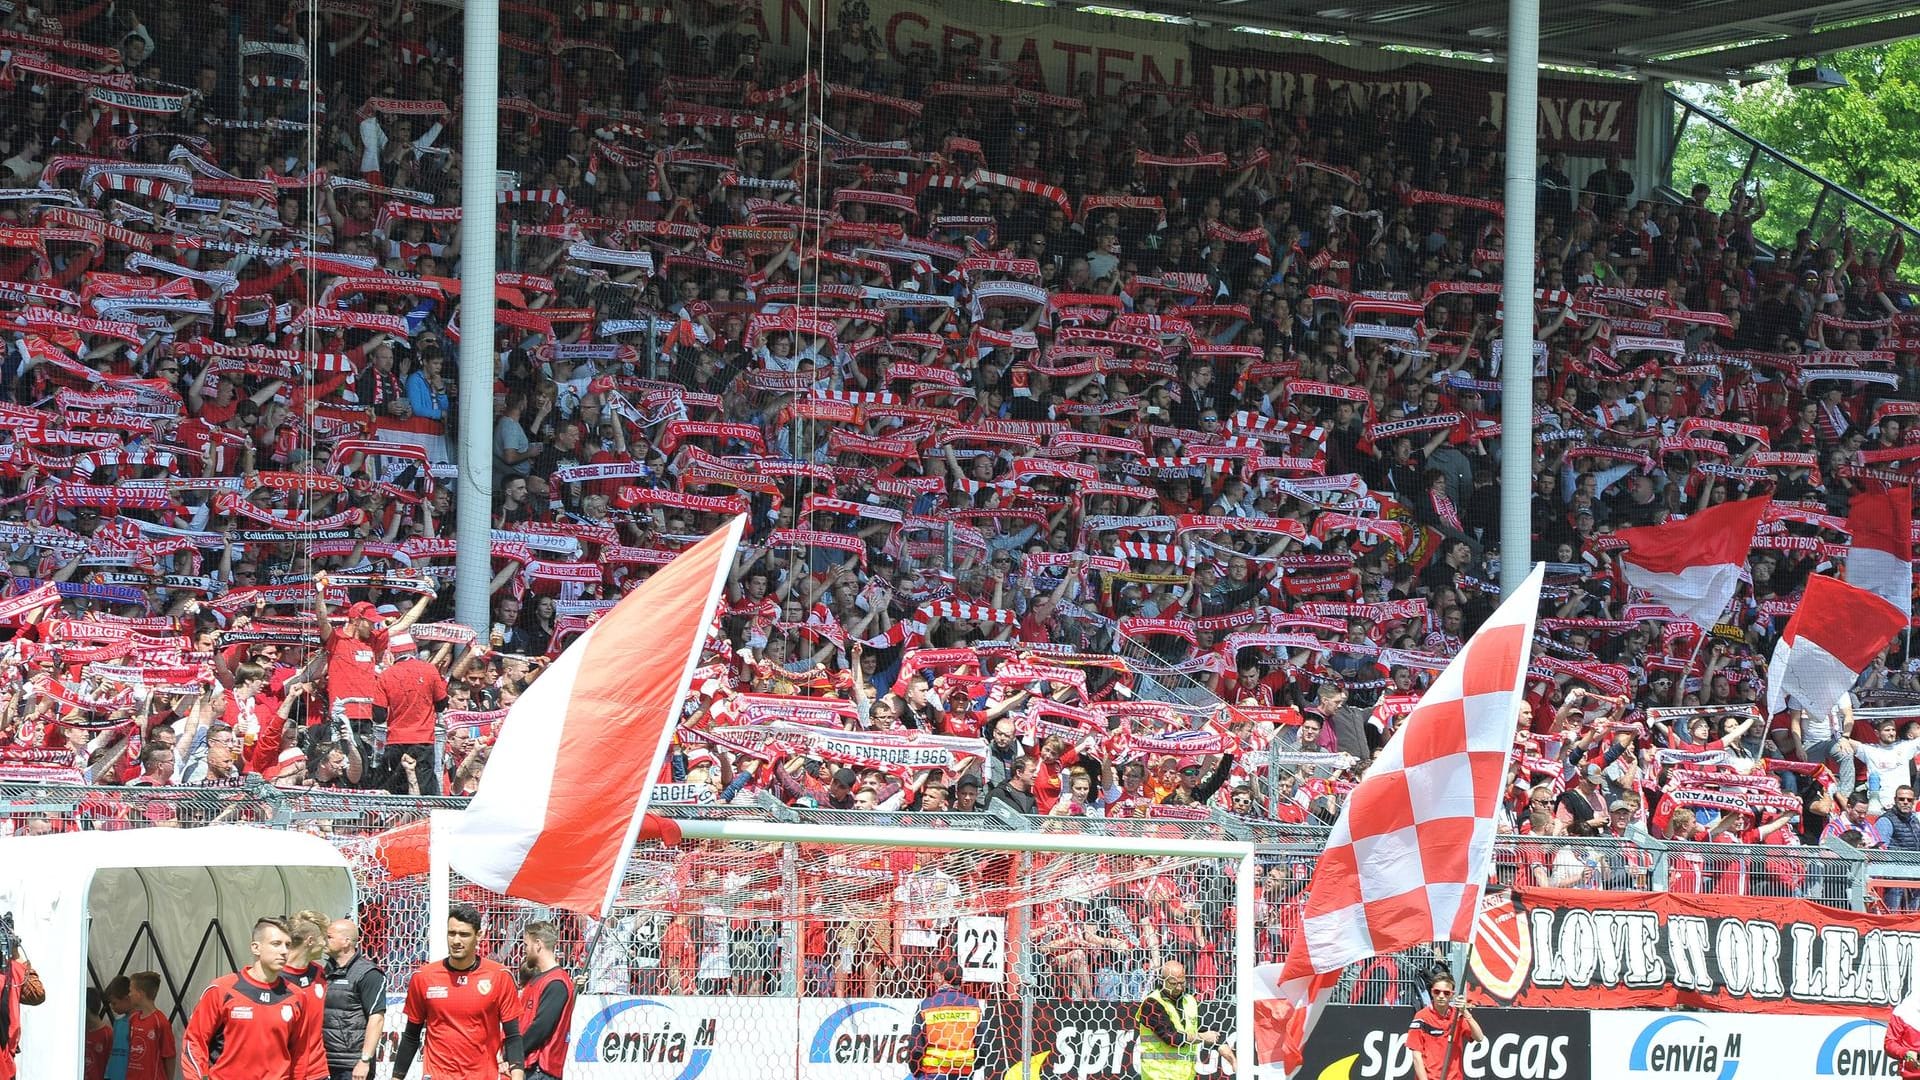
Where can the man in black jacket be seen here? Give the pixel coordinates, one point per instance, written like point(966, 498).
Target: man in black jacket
point(1017, 792)
point(356, 1012)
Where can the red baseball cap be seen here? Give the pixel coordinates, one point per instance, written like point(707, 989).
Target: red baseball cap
point(363, 610)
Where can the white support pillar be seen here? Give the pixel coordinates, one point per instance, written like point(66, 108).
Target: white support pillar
point(1245, 912)
point(1516, 371)
point(479, 196)
point(439, 882)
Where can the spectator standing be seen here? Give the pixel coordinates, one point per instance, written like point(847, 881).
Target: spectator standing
point(1889, 763)
point(416, 692)
point(354, 694)
point(513, 451)
point(356, 1010)
point(1611, 186)
point(1017, 792)
point(1899, 830)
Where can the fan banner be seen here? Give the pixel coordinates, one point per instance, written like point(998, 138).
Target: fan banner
point(1583, 949)
point(1580, 117)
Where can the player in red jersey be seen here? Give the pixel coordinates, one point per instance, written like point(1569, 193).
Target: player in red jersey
point(99, 1038)
point(306, 971)
point(467, 1008)
point(150, 1049)
point(254, 1016)
point(546, 1003)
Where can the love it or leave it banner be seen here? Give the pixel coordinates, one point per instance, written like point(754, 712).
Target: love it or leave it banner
point(1580, 949)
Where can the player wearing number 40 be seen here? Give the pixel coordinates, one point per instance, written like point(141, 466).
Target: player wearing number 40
point(946, 1029)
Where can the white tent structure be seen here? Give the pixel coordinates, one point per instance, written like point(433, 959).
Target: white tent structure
point(182, 902)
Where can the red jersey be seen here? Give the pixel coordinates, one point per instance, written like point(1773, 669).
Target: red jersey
point(99, 1047)
point(550, 1055)
point(350, 670)
point(259, 1028)
point(414, 691)
point(462, 1012)
point(312, 981)
point(150, 1045)
point(1427, 1036)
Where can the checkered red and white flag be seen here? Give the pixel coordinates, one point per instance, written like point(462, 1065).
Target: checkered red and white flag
point(1410, 853)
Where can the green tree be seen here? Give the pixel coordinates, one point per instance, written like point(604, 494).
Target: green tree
point(1865, 136)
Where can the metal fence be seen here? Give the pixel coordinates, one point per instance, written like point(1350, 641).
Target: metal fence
point(768, 956)
point(1832, 873)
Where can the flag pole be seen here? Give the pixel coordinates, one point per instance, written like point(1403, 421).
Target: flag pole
point(1459, 968)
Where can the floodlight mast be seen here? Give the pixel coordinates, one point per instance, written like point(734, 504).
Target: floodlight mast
point(1516, 368)
point(479, 196)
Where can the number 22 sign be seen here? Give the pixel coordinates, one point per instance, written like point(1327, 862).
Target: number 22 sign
point(983, 948)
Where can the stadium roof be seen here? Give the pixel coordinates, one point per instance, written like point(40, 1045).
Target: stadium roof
point(1711, 40)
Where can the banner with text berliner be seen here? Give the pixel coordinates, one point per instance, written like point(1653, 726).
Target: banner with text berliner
point(1576, 949)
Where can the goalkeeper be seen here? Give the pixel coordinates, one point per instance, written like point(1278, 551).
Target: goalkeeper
point(946, 1028)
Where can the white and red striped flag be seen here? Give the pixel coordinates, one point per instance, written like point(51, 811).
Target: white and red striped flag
point(1880, 559)
point(1410, 853)
point(1693, 566)
point(561, 802)
point(1834, 634)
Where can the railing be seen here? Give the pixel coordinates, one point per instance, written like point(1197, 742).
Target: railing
point(1713, 151)
point(1832, 873)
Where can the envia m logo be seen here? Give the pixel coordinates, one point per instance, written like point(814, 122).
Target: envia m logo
point(875, 1038)
point(1855, 1048)
point(1680, 1046)
point(642, 1031)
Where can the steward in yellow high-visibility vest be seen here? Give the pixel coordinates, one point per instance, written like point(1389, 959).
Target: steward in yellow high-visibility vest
point(1170, 1037)
point(946, 1029)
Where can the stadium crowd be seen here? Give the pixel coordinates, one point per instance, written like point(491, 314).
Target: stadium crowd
point(1061, 420)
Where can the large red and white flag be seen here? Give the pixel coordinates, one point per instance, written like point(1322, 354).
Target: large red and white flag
point(561, 802)
point(1834, 634)
point(1880, 559)
point(1693, 566)
point(1410, 854)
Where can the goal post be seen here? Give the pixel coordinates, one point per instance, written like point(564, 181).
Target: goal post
point(804, 952)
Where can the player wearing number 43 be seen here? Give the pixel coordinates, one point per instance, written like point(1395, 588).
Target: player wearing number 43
point(946, 1029)
point(1903, 1036)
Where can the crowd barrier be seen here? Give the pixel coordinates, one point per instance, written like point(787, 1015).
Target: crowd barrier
point(651, 1009)
point(395, 916)
point(1829, 873)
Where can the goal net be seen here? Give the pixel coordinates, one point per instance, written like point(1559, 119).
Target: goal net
point(783, 951)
